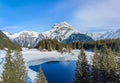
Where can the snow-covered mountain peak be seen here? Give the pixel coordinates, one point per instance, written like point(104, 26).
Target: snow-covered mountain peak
point(22, 33)
point(60, 31)
point(65, 23)
point(24, 38)
point(95, 36)
point(111, 35)
point(30, 33)
point(62, 25)
point(7, 33)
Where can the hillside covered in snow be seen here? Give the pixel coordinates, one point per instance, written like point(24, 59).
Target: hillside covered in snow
point(111, 35)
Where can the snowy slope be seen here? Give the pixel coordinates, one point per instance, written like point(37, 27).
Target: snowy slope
point(63, 32)
point(8, 34)
point(2, 58)
point(24, 38)
point(2, 55)
point(94, 36)
point(35, 57)
point(111, 35)
point(59, 31)
point(108, 35)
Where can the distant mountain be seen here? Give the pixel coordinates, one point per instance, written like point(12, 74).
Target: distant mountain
point(24, 38)
point(62, 32)
point(111, 35)
point(5, 42)
point(108, 35)
point(94, 36)
point(59, 32)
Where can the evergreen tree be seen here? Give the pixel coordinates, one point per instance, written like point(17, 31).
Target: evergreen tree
point(82, 69)
point(118, 69)
point(74, 45)
point(14, 69)
point(104, 63)
point(107, 65)
point(118, 50)
point(111, 66)
point(104, 57)
point(96, 66)
point(20, 69)
point(79, 45)
point(8, 74)
point(41, 77)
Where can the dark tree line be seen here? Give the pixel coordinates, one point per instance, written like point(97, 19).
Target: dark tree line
point(114, 44)
point(50, 45)
point(104, 66)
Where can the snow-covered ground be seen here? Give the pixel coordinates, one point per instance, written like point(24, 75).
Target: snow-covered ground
point(35, 57)
point(2, 55)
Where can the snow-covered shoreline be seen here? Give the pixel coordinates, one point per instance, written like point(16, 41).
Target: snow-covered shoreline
point(35, 57)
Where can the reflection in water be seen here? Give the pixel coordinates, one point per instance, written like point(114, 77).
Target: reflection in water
point(65, 63)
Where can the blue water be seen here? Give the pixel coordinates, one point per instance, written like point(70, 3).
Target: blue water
point(58, 71)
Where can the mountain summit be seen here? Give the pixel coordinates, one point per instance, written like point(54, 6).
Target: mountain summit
point(65, 33)
point(60, 31)
point(62, 25)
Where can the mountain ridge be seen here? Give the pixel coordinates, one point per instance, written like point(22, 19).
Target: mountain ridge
point(24, 38)
point(61, 32)
point(111, 35)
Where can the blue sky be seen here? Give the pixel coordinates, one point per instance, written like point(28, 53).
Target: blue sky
point(41, 15)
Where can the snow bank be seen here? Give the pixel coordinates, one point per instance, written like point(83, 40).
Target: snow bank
point(2, 56)
point(35, 57)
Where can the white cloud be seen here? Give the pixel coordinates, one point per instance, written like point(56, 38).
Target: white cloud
point(66, 5)
point(15, 29)
point(102, 14)
point(11, 28)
